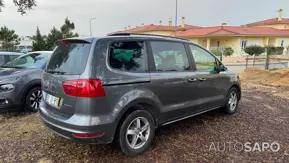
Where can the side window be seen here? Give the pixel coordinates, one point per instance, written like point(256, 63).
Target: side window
point(128, 56)
point(12, 57)
point(169, 56)
point(203, 59)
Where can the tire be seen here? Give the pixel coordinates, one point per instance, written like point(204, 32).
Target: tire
point(144, 138)
point(231, 104)
point(32, 99)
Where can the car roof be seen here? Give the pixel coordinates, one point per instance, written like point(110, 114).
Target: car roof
point(10, 53)
point(132, 35)
point(47, 52)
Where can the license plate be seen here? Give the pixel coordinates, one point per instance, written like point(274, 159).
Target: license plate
point(51, 100)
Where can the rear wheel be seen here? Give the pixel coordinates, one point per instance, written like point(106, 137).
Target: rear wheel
point(33, 99)
point(232, 101)
point(136, 133)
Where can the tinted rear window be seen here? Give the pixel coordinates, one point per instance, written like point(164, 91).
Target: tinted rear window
point(69, 58)
point(128, 56)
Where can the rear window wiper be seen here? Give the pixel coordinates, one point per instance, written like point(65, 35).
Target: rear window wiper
point(6, 67)
point(56, 72)
point(10, 67)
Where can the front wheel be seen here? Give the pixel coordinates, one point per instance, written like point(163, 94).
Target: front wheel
point(232, 101)
point(136, 133)
point(33, 99)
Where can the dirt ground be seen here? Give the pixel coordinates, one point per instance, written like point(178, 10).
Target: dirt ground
point(263, 116)
point(265, 77)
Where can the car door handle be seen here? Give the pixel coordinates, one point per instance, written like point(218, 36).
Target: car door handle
point(202, 79)
point(192, 80)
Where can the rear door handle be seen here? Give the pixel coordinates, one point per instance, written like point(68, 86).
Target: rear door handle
point(192, 80)
point(202, 79)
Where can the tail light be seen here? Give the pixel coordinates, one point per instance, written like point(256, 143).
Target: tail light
point(83, 88)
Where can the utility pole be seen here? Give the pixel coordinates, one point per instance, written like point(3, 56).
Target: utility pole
point(222, 53)
point(176, 19)
point(267, 58)
point(90, 25)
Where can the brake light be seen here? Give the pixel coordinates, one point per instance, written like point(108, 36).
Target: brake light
point(64, 42)
point(83, 88)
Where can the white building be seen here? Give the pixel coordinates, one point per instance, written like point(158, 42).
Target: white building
point(25, 43)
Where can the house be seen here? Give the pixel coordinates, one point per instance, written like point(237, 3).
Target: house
point(273, 32)
point(25, 43)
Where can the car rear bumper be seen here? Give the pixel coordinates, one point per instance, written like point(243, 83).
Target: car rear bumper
point(65, 129)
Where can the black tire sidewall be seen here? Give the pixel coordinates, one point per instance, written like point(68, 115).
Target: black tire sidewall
point(227, 106)
point(122, 133)
point(27, 106)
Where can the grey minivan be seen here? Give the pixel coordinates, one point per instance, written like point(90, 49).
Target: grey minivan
point(121, 87)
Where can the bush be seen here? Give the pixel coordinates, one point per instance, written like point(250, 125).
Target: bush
point(275, 50)
point(278, 50)
point(217, 52)
point(228, 51)
point(254, 50)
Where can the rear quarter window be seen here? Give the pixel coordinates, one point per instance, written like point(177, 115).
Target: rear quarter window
point(127, 56)
point(69, 58)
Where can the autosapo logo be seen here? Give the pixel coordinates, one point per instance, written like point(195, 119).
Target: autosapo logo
point(246, 147)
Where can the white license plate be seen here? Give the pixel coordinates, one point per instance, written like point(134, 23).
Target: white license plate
point(51, 100)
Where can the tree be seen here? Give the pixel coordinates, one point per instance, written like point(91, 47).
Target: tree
point(67, 28)
point(275, 50)
point(66, 31)
point(52, 37)
point(23, 5)
point(8, 37)
point(254, 50)
point(39, 42)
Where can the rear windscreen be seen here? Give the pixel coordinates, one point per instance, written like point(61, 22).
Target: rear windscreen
point(69, 58)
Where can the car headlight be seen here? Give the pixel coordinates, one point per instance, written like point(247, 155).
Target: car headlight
point(12, 79)
point(7, 87)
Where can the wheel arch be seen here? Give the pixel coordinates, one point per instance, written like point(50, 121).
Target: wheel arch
point(141, 104)
point(28, 87)
point(238, 87)
point(138, 104)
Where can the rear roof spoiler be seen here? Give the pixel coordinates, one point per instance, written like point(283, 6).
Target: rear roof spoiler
point(77, 40)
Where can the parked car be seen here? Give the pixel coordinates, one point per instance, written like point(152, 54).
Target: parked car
point(20, 82)
point(122, 87)
point(6, 57)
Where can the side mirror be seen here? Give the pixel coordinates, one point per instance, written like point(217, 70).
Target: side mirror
point(223, 68)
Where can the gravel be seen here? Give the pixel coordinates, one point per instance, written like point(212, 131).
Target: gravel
point(263, 117)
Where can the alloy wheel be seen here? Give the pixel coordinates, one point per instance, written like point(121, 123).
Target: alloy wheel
point(138, 132)
point(233, 100)
point(35, 99)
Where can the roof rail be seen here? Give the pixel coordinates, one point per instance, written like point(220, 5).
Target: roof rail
point(140, 34)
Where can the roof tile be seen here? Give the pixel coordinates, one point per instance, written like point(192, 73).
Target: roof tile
point(234, 30)
point(270, 21)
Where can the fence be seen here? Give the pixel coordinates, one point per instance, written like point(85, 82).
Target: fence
point(270, 62)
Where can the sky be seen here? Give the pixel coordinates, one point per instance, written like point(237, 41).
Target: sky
point(115, 15)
